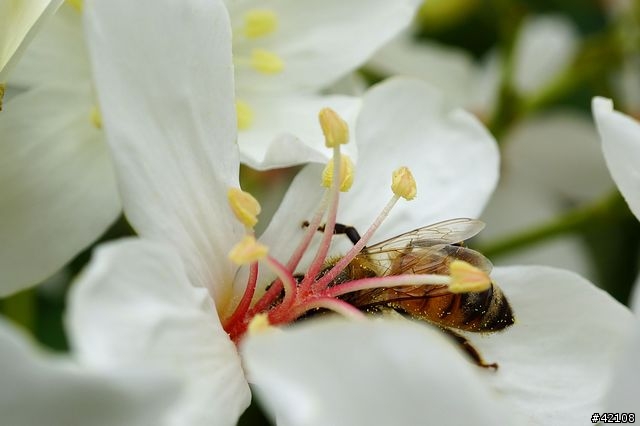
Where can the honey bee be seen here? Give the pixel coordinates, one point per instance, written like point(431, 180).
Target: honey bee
point(428, 250)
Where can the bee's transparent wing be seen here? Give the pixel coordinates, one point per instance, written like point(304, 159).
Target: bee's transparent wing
point(447, 232)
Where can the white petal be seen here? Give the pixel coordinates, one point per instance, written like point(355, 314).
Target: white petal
point(620, 136)
point(167, 104)
point(556, 360)
point(320, 42)
point(551, 142)
point(546, 46)
point(134, 306)
point(373, 372)
point(452, 156)
point(39, 390)
point(450, 70)
point(19, 21)
point(300, 138)
point(57, 189)
point(465, 83)
point(60, 49)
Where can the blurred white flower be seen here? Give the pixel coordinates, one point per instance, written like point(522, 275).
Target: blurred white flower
point(57, 186)
point(56, 181)
point(42, 389)
point(19, 21)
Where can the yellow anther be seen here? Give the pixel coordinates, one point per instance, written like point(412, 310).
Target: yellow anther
point(1, 94)
point(266, 62)
point(335, 129)
point(244, 114)
point(259, 324)
point(346, 173)
point(248, 251)
point(96, 117)
point(403, 184)
point(244, 206)
point(260, 22)
point(467, 278)
point(76, 4)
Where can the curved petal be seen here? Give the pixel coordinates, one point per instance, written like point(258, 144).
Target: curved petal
point(620, 134)
point(545, 47)
point(167, 104)
point(39, 390)
point(57, 189)
point(301, 139)
point(556, 360)
point(58, 48)
point(449, 69)
point(370, 372)
point(452, 156)
point(19, 22)
point(134, 307)
point(318, 41)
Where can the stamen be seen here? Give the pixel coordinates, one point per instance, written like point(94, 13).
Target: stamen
point(248, 250)
point(76, 4)
point(272, 293)
point(335, 305)
point(346, 173)
point(325, 244)
point(245, 302)
point(266, 62)
point(467, 278)
point(1, 94)
point(260, 22)
point(259, 324)
point(287, 279)
point(244, 206)
point(96, 117)
point(403, 184)
point(388, 281)
point(335, 129)
point(351, 254)
point(244, 114)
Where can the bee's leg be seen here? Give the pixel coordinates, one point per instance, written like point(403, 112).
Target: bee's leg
point(469, 349)
point(350, 232)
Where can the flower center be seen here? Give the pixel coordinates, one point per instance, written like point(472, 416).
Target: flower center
point(291, 295)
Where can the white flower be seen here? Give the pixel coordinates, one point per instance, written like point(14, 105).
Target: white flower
point(45, 222)
point(39, 389)
point(19, 20)
point(620, 136)
point(162, 301)
point(57, 186)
